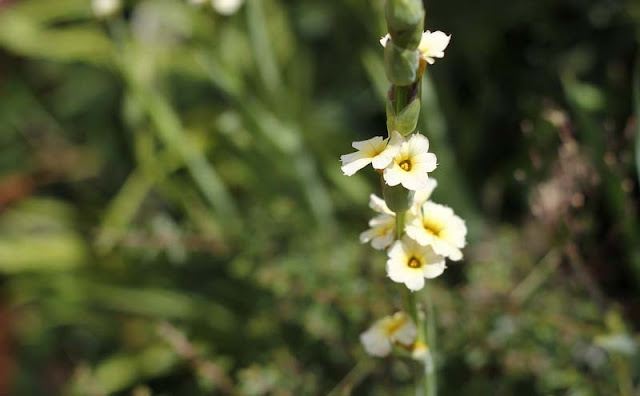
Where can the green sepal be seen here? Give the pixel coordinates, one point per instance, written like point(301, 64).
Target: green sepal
point(397, 198)
point(400, 65)
point(405, 19)
point(406, 121)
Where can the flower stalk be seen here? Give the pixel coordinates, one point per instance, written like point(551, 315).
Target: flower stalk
point(418, 234)
point(401, 97)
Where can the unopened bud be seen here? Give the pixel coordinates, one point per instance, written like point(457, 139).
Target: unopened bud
point(401, 65)
point(405, 20)
point(397, 198)
point(406, 120)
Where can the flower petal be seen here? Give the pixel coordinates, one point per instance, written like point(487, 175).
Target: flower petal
point(415, 181)
point(385, 39)
point(414, 283)
point(434, 270)
point(422, 196)
point(375, 342)
point(393, 174)
point(432, 45)
point(383, 159)
point(371, 147)
point(418, 144)
point(351, 163)
point(379, 205)
point(406, 334)
point(383, 241)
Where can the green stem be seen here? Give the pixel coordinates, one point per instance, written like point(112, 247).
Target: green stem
point(429, 327)
point(410, 306)
point(400, 219)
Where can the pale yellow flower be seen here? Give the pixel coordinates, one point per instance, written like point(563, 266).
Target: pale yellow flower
point(411, 164)
point(379, 338)
point(382, 232)
point(432, 45)
point(385, 39)
point(376, 151)
point(437, 226)
point(419, 350)
point(410, 263)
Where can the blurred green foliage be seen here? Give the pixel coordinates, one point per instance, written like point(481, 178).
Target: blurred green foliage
point(173, 219)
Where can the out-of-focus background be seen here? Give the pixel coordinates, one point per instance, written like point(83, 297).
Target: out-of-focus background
point(174, 221)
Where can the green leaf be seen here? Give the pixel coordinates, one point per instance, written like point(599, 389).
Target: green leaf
point(36, 236)
point(25, 34)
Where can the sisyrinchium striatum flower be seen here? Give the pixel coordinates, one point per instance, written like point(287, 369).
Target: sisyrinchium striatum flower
point(410, 263)
point(432, 45)
point(437, 226)
point(382, 231)
point(411, 164)
point(376, 151)
point(379, 339)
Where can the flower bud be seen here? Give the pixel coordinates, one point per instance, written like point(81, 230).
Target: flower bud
point(401, 65)
point(397, 198)
point(405, 20)
point(406, 120)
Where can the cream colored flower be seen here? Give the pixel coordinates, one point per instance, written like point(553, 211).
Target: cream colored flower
point(419, 350)
point(411, 164)
point(385, 39)
point(383, 227)
point(376, 151)
point(432, 45)
point(379, 338)
point(382, 232)
point(437, 226)
point(226, 7)
point(410, 263)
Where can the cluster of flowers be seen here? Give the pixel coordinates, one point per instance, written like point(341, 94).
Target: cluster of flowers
point(432, 232)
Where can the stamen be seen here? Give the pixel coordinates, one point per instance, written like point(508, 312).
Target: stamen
point(405, 165)
point(414, 262)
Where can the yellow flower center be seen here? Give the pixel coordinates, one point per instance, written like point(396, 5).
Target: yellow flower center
point(383, 230)
point(432, 227)
point(414, 262)
point(395, 325)
point(405, 165)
